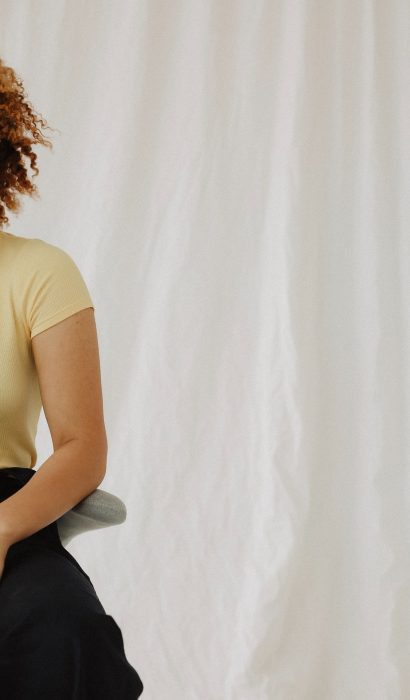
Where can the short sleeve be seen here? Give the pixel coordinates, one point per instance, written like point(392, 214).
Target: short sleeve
point(53, 286)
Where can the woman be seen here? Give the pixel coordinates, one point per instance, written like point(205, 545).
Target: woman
point(56, 640)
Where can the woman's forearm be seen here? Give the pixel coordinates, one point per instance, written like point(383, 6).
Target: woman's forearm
point(70, 474)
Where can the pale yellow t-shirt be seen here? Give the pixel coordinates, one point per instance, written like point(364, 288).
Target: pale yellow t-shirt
point(40, 285)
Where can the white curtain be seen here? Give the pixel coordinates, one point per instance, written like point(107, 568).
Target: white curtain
point(233, 179)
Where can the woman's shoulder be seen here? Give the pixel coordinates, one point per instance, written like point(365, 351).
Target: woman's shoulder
point(38, 267)
point(35, 251)
point(27, 242)
point(17, 250)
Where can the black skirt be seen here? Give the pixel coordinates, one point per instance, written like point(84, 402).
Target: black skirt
point(56, 640)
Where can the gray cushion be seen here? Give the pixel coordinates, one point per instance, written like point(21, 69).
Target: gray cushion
point(99, 509)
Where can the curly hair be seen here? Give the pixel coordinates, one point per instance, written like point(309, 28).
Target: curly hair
point(19, 130)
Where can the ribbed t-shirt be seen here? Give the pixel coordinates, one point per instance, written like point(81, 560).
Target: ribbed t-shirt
point(40, 285)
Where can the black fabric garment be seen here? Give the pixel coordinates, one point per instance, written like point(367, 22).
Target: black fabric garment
point(56, 640)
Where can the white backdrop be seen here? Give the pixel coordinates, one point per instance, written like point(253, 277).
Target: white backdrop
point(232, 178)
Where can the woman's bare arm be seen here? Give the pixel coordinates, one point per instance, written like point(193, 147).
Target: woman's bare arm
point(68, 366)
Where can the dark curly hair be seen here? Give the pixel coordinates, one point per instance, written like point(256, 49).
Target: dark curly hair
point(19, 130)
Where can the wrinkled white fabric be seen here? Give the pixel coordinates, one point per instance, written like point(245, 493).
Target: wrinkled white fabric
point(233, 178)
